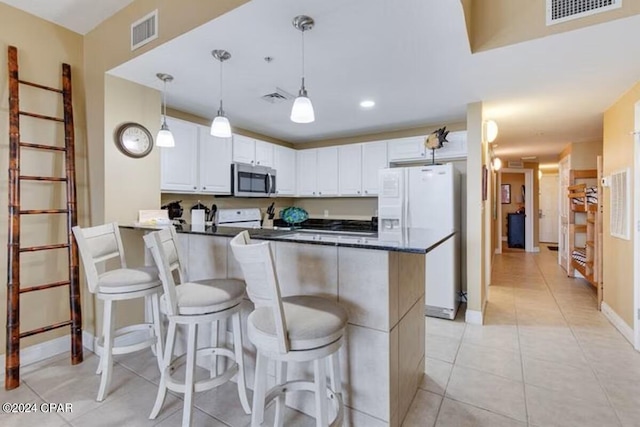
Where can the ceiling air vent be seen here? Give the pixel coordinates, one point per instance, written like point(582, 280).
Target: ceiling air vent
point(144, 30)
point(515, 164)
point(566, 10)
point(280, 95)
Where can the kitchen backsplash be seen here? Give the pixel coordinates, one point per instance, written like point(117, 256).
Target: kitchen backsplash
point(340, 208)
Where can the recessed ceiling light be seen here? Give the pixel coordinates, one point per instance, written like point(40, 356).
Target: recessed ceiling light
point(367, 103)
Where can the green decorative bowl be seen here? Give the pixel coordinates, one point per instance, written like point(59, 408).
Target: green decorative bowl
point(293, 215)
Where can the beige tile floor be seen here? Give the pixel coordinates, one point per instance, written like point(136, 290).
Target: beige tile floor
point(545, 357)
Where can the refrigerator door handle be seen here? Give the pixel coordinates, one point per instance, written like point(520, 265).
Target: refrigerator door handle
point(405, 198)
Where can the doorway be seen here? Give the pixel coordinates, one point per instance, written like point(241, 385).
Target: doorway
point(519, 197)
point(548, 201)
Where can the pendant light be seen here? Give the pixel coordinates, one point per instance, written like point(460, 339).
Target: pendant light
point(220, 126)
point(165, 137)
point(302, 111)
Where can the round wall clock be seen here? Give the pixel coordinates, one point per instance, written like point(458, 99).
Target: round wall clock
point(134, 140)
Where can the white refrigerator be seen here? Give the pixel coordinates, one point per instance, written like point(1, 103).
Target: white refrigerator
point(427, 197)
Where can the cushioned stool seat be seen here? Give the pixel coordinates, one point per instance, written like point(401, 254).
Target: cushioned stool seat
point(312, 322)
point(128, 280)
point(207, 296)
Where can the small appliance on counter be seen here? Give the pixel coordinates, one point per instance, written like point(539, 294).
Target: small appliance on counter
point(174, 211)
point(199, 214)
point(242, 218)
point(267, 220)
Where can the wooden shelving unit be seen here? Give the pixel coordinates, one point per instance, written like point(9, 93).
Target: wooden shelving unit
point(585, 226)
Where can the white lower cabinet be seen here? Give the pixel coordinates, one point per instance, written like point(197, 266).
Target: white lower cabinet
point(199, 162)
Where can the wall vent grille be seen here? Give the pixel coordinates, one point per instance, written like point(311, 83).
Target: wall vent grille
point(620, 204)
point(565, 10)
point(144, 30)
point(515, 164)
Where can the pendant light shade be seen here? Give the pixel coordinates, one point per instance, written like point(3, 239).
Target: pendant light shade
point(302, 111)
point(165, 137)
point(220, 127)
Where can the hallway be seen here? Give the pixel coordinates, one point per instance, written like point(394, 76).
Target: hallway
point(545, 357)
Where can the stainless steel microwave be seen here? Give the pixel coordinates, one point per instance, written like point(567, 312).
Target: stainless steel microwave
point(253, 181)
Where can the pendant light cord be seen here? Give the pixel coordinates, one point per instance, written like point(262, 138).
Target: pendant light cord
point(164, 102)
point(303, 59)
point(220, 87)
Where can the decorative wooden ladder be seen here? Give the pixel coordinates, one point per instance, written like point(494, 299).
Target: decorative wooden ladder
point(12, 363)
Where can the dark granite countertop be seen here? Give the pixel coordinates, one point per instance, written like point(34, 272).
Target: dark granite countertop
point(412, 240)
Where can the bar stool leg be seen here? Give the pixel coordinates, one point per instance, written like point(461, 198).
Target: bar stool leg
point(239, 356)
point(259, 390)
point(215, 333)
point(281, 378)
point(168, 355)
point(334, 373)
point(157, 328)
point(322, 419)
point(106, 360)
point(190, 373)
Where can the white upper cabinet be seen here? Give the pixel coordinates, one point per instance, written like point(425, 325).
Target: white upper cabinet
point(244, 149)
point(214, 163)
point(199, 163)
point(374, 158)
point(327, 171)
point(350, 169)
point(406, 149)
point(178, 171)
point(264, 153)
point(455, 148)
point(284, 162)
point(306, 165)
point(252, 151)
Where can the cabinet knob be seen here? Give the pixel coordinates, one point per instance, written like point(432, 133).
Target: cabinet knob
point(422, 154)
point(257, 163)
point(252, 161)
point(358, 191)
point(314, 193)
point(319, 193)
point(204, 188)
point(195, 188)
point(366, 191)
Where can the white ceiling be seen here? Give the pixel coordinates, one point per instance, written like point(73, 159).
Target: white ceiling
point(412, 57)
point(80, 16)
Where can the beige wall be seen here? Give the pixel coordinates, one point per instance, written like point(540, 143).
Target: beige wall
point(584, 154)
point(42, 48)
point(497, 23)
point(476, 211)
point(618, 256)
point(516, 181)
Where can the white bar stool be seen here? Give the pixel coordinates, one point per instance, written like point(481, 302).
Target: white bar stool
point(192, 304)
point(290, 329)
point(96, 245)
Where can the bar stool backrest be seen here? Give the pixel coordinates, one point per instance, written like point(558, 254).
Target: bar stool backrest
point(256, 261)
point(166, 253)
point(96, 245)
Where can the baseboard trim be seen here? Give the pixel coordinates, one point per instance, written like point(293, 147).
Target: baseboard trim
point(616, 320)
point(536, 249)
point(44, 350)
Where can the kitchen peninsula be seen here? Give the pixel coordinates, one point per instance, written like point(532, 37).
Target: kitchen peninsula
point(380, 280)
